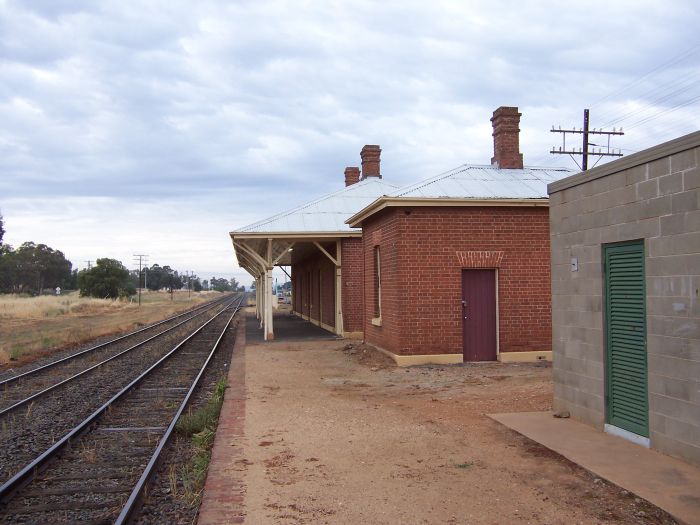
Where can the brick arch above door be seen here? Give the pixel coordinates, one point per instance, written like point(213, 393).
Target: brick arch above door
point(479, 259)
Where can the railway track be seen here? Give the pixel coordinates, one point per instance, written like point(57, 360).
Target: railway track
point(98, 471)
point(29, 422)
point(16, 381)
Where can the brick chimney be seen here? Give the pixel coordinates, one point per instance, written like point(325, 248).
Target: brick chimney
point(370, 161)
point(352, 175)
point(506, 143)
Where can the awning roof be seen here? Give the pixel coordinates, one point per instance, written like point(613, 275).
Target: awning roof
point(268, 242)
point(323, 215)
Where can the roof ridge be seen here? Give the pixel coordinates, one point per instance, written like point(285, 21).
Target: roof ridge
point(435, 178)
point(466, 167)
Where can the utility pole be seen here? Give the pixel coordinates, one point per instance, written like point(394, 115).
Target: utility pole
point(604, 150)
point(89, 264)
point(142, 259)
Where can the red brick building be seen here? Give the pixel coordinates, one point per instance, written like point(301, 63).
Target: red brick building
point(454, 268)
point(457, 266)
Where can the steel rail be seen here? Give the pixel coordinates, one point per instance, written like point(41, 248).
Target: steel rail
point(135, 497)
point(34, 396)
point(11, 379)
point(29, 471)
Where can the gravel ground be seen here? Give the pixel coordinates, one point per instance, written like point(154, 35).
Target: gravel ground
point(111, 456)
point(163, 505)
point(28, 431)
point(343, 436)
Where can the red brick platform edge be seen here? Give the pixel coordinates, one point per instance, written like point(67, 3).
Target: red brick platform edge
point(224, 490)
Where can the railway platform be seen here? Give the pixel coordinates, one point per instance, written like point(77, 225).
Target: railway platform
point(288, 327)
point(224, 492)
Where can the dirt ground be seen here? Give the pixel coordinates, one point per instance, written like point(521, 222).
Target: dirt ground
point(334, 433)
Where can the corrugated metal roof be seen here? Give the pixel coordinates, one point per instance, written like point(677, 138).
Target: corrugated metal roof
point(485, 182)
point(326, 214)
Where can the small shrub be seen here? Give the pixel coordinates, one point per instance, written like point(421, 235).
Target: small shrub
point(200, 427)
point(15, 353)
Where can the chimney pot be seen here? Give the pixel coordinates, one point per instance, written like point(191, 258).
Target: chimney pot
point(506, 138)
point(370, 156)
point(352, 175)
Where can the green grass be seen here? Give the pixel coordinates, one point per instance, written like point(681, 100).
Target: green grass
point(200, 427)
point(465, 465)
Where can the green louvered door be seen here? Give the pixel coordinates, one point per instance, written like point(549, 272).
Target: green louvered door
point(626, 351)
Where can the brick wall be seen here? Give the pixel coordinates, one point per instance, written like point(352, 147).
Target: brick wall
point(314, 285)
point(653, 195)
point(423, 251)
point(352, 271)
point(313, 280)
point(383, 230)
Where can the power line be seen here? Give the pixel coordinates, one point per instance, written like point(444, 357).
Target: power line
point(667, 110)
point(673, 61)
point(652, 103)
point(142, 259)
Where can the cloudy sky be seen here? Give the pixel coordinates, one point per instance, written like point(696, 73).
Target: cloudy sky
point(159, 126)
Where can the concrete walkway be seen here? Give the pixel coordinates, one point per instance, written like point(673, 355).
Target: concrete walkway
point(668, 483)
point(287, 327)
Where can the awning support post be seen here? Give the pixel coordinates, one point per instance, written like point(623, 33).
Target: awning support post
point(258, 306)
point(338, 290)
point(269, 330)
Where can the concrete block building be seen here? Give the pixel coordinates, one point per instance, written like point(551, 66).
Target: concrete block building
point(625, 241)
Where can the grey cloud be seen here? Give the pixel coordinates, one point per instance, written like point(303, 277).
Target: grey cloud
point(268, 102)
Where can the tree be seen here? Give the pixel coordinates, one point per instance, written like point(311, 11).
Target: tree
point(197, 285)
point(7, 269)
point(107, 279)
point(157, 278)
point(220, 285)
point(71, 283)
point(2, 229)
point(33, 267)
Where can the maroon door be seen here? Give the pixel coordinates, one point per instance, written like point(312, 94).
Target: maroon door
point(479, 315)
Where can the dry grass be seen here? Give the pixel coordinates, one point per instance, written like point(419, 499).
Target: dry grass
point(34, 326)
point(18, 307)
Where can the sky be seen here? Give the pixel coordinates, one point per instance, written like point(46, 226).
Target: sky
point(156, 127)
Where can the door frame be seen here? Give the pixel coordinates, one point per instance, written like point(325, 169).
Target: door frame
point(498, 321)
point(609, 427)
